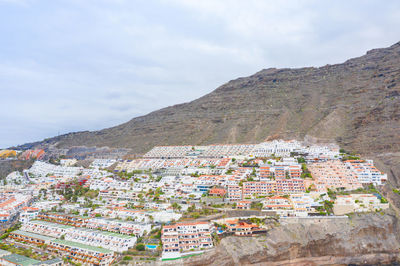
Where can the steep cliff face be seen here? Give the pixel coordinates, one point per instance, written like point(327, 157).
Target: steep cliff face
point(363, 239)
point(356, 104)
point(7, 167)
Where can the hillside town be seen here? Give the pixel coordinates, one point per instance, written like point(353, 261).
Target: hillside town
point(173, 202)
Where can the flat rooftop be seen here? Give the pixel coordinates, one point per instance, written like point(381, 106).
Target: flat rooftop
point(32, 235)
point(81, 246)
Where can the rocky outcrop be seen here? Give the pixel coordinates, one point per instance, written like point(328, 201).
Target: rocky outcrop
point(362, 239)
point(8, 166)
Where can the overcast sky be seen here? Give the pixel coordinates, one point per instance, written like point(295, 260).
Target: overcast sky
point(90, 64)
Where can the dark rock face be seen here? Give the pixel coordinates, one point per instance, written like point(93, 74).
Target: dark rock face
point(356, 104)
point(8, 166)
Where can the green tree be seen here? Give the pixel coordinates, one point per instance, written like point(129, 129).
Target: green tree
point(256, 205)
point(301, 160)
point(140, 247)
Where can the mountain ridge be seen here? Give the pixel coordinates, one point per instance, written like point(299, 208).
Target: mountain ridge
point(354, 103)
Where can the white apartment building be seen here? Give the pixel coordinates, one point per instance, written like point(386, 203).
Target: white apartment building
point(28, 214)
point(102, 163)
point(42, 169)
point(182, 237)
point(302, 204)
point(366, 172)
point(46, 228)
point(119, 226)
point(109, 240)
point(321, 152)
point(85, 254)
point(279, 148)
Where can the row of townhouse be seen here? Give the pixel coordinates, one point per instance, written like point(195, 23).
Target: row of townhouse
point(110, 240)
point(331, 175)
point(168, 152)
point(11, 186)
point(79, 252)
point(200, 171)
point(366, 172)
point(320, 152)
point(348, 175)
point(43, 169)
point(276, 147)
point(279, 148)
point(61, 221)
point(109, 183)
point(211, 151)
point(183, 237)
point(119, 226)
point(119, 195)
point(267, 172)
point(264, 173)
point(227, 150)
point(279, 186)
point(173, 164)
point(46, 228)
point(234, 193)
point(61, 218)
point(255, 189)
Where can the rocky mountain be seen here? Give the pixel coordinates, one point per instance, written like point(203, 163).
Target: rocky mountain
point(356, 104)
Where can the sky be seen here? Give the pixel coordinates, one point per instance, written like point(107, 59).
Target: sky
point(73, 65)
